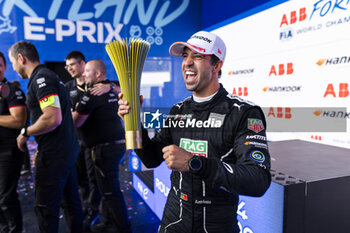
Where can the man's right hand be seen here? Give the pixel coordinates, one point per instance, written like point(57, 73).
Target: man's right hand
point(124, 106)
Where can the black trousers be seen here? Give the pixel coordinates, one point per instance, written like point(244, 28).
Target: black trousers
point(83, 181)
point(11, 159)
point(106, 160)
point(94, 197)
point(56, 183)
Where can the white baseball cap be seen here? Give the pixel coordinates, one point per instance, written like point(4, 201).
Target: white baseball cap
point(201, 42)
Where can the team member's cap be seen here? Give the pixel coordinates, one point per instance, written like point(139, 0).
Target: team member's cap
point(201, 42)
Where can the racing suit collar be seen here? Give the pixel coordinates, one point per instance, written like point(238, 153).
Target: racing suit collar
point(208, 104)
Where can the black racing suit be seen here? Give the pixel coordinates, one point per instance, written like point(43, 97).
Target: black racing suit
point(228, 134)
point(10, 165)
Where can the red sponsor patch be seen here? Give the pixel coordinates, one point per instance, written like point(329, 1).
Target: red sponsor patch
point(255, 125)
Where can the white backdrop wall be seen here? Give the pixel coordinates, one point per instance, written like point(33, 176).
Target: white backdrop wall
point(295, 56)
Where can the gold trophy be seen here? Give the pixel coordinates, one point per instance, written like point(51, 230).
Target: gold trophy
point(128, 58)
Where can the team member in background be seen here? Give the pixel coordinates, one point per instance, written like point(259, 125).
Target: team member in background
point(12, 119)
point(102, 131)
point(53, 129)
point(89, 194)
point(26, 168)
point(219, 153)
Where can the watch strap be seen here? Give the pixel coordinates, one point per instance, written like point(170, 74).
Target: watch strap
point(24, 132)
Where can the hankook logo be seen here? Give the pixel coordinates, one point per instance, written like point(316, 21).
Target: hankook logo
point(333, 61)
point(202, 38)
point(241, 72)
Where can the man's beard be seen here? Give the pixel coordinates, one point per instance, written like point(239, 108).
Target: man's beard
point(22, 74)
point(90, 84)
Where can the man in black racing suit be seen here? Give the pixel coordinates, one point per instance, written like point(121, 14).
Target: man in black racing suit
point(214, 142)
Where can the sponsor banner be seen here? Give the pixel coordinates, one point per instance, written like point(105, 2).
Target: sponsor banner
point(297, 51)
point(162, 186)
point(143, 190)
point(334, 139)
point(313, 17)
point(312, 119)
point(252, 211)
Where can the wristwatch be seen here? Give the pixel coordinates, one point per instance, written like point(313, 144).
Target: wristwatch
point(195, 164)
point(24, 132)
point(111, 87)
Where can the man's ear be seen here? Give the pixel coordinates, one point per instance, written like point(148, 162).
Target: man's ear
point(83, 63)
point(218, 66)
point(22, 59)
point(98, 74)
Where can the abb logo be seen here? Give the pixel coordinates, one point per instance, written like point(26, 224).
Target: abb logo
point(316, 137)
point(294, 17)
point(282, 69)
point(240, 91)
point(343, 90)
point(280, 112)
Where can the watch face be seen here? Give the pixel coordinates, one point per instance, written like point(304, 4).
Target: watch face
point(23, 131)
point(196, 163)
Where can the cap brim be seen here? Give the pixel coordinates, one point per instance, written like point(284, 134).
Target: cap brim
point(177, 49)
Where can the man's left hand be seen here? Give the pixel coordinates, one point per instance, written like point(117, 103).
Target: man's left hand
point(21, 141)
point(100, 89)
point(176, 158)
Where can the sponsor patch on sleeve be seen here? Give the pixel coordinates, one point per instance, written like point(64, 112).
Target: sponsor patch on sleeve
point(255, 125)
point(41, 82)
point(51, 100)
point(256, 144)
point(257, 156)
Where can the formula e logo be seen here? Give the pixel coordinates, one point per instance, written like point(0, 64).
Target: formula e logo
point(152, 120)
